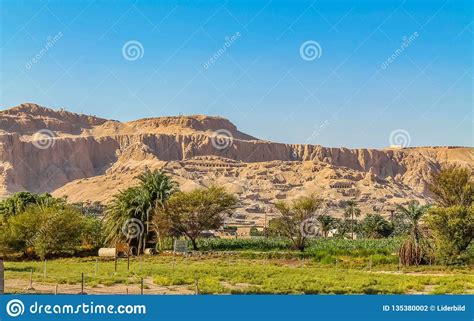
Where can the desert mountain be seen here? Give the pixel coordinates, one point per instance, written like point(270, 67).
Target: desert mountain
point(90, 159)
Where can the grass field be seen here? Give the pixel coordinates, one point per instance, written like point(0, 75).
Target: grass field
point(243, 272)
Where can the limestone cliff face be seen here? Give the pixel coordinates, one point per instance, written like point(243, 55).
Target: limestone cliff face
point(86, 147)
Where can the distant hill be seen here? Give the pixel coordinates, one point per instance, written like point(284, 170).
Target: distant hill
point(90, 159)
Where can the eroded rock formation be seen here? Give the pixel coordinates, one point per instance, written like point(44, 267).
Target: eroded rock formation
point(90, 158)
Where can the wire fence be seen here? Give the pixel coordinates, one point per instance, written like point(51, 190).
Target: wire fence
point(137, 275)
point(131, 279)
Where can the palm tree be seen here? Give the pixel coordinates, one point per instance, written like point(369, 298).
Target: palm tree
point(157, 188)
point(411, 252)
point(375, 226)
point(326, 223)
point(413, 214)
point(351, 210)
point(138, 202)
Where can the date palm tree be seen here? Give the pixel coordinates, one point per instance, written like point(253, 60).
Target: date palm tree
point(351, 211)
point(411, 251)
point(326, 223)
point(137, 202)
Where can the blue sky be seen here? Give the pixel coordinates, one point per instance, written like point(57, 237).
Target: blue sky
point(349, 95)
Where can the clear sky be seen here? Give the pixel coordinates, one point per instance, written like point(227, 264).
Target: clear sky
point(371, 68)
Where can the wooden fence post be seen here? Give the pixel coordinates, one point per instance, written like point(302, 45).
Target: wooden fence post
point(2, 277)
point(82, 284)
point(30, 286)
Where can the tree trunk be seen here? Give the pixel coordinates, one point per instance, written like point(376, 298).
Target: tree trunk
point(139, 247)
point(195, 247)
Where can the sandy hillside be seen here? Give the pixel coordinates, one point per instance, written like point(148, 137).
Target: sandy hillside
point(90, 159)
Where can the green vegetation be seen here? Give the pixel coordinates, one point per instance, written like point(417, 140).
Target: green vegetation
point(331, 245)
point(452, 220)
point(326, 223)
point(351, 213)
point(44, 226)
point(192, 213)
point(293, 255)
point(18, 202)
point(414, 250)
point(235, 274)
point(453, 230)
point(137, 203)
point(453, 186)
point(297, 220)
point(374, 226)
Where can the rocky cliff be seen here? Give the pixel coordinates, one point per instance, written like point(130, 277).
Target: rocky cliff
point(90, 158)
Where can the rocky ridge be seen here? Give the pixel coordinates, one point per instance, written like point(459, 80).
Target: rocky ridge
point(90, 159)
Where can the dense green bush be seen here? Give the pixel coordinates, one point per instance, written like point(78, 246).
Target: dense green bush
point(453, 230)
point(42, 225)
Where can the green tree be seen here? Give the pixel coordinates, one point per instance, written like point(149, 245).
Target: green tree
point(92, 232)
point(453, 186)
point(190, 213)
point(47, 230)
point(351, 213)
point(401, 226)
point(453, 229)
point(19, 201)
point(137, 203)
point(374, 226)
point(326, 223)
point(412, 250)
point(452, 220)
point(298, 219)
